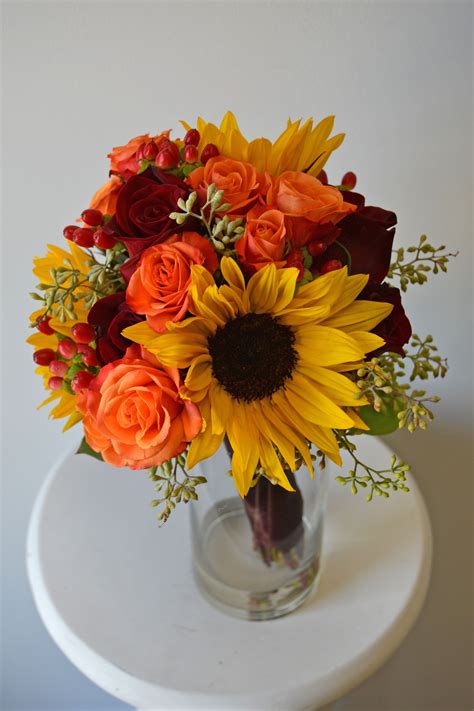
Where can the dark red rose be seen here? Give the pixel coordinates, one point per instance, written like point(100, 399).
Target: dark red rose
point(142, 212)
point(110, 316)
point(367, 235)
point(396, 328)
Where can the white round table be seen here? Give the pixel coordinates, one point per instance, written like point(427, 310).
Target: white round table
point(117, 595)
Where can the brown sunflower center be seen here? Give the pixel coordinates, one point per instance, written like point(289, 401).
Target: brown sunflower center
point(252, 356)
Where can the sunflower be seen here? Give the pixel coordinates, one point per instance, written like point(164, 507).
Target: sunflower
point(299, 147)
point(265, 365)
point(76, 258)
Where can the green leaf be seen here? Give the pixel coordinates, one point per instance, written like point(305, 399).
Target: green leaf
point(380, 423)
point(85, 449)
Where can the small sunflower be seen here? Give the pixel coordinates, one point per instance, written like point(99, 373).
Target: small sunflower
point(300, 147)
point(265, 364)
point(75, 258)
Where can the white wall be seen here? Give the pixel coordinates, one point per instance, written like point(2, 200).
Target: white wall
point(84, 76)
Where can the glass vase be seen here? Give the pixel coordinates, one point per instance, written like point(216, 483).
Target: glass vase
point(259, 557)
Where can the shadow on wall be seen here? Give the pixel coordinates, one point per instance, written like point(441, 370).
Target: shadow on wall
point(442, 461)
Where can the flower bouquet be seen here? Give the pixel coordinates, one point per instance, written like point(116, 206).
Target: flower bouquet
point(222, 296)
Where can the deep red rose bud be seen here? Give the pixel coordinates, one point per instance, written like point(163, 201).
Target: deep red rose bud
point(44, 356)
point(91, 217)
point(67, 349)
point(316, 248)
point(191, 154)
point(55, 383)
point(84, 237)
point(44, 327)
point(208, 152)
point(323, 177)
point(83, 332)
point(103, 240)
point(58, 367)
point(69, 230)
point(349, 180)
point(330, 266)
point(167, 158)
point(81, 381)
point(150, 151)
point(139, 153)
point(192, 137)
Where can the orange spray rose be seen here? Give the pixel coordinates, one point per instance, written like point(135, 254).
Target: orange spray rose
point(133, 413)
point(306, 202)
point(105, 199)
point(264, 238)
point(159, 287)
point(239, 181)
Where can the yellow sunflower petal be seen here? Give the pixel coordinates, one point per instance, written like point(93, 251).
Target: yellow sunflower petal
point(199, 375)
point(262, 289)
point(206, 443)
point(326, 346)
point(360, 316)
point(305, 397)
point(232, 273)
point(340, 389)
point(272, 465)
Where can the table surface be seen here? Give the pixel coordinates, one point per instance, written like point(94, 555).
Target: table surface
point(117, 595)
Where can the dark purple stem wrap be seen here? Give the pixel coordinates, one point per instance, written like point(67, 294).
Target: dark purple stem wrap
point(276, 518)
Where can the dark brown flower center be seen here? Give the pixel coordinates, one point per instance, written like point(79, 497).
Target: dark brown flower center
point(252, 356)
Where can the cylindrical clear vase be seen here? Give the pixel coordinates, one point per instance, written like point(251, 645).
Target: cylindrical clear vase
point(259, 557)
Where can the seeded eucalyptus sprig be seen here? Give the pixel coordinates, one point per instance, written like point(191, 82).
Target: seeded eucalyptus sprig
point(425, 361)
point(412, 265)
point(70, 285)
point(172, 489)
point(222, 231)
point(380, 482)
point(378, 381)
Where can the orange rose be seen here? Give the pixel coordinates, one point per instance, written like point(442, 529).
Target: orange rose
point(133, 413)
point(264, 238)
point(123, 159)
point(105, 199)
point(306, 202)
point(239, 181)
point(160, 285)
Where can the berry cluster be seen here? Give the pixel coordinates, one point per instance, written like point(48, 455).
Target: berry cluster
point(75, 363)
point(93, 234)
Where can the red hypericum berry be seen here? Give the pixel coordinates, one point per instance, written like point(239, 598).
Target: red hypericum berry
point(44, 356)
point(69, 230)
point(83, 332)
point(67, 348)
point(55, 383)
point(349, 180)
point(44, 327)
point(166, 160)
point(90, 359)
point(59, 367)
point(150, 150)
point(208, 152)
point(84, 237)
point(81, 381)
point(316, 248)
point(84, 348)
point(192, 137)
point(330, 266)
point(103, 240)
point(91, 217)
point(139, 153)
point(323, 177)
point(295, 259)
point(191, 154)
